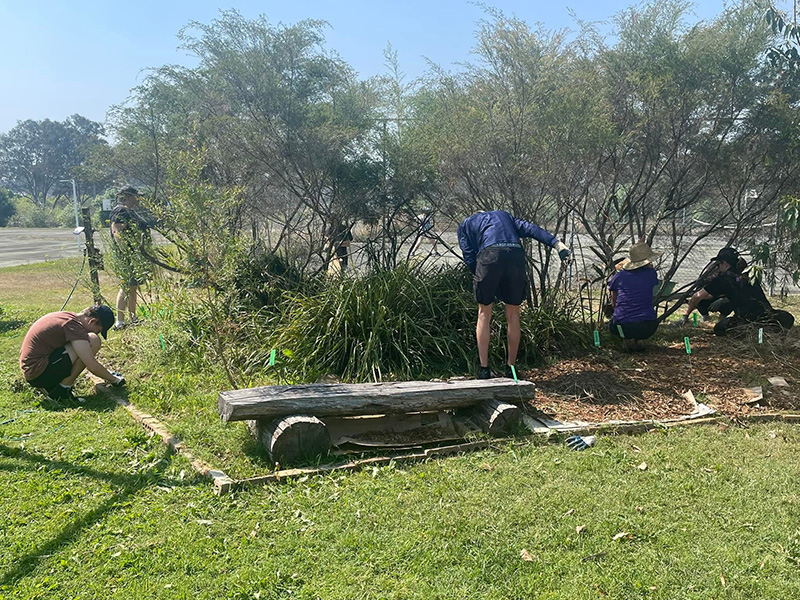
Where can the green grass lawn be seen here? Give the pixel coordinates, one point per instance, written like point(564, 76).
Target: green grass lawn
point(94, 508)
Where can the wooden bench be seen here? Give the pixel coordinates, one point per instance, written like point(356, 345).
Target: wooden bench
point(289, 419)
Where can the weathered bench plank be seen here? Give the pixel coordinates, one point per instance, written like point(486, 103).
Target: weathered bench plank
point(338, 399)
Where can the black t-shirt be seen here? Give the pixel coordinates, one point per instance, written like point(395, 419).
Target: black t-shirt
point(338, 233)
point(749, 300)
point(132, 222)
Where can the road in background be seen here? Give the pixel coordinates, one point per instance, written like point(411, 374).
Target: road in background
point(19, 246)
point(22, 245)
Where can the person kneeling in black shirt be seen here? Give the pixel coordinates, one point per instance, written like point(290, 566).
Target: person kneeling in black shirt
point(749, 303)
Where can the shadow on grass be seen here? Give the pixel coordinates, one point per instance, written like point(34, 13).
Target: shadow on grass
point(6, 326)
point(129, 484)
point(95, 403)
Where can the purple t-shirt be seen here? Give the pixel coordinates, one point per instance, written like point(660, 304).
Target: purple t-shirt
point(634, 295)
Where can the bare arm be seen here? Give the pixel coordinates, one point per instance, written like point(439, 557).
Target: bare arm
point(85, 355)
point(698, 296)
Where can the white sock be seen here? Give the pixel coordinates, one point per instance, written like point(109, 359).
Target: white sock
point(119, 323)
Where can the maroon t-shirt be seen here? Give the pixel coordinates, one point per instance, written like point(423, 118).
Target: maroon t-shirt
point(52, 331)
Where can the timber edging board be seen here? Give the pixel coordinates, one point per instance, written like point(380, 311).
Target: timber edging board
point(222, 483)
point(339, 399)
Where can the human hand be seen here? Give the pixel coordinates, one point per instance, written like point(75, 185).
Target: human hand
point(563, 252)
point(120, 381)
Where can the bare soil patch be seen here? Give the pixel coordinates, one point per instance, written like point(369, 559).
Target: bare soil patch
point(612, 385)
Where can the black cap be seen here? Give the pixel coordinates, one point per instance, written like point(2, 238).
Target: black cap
point(106, 317)
point(128, 191)
point(728, 255)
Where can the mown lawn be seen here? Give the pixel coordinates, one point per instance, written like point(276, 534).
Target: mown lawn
point(92, 508)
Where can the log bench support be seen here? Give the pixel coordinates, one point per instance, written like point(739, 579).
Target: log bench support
point(292, 439)
point(286, 419)
point(495, 417)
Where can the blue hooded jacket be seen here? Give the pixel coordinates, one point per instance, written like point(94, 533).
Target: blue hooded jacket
point(496, 228)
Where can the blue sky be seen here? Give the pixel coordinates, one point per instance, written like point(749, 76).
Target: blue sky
point(60, 58)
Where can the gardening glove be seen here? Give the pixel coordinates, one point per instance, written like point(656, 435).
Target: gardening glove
point(563, 252)
point(577, 442)
point(683, 321)
point(120, 382)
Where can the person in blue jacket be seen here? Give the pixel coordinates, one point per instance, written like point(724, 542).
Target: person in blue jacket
point(491, 247)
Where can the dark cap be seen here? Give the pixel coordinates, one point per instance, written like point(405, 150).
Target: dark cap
point(105, 315)
point(128, 191)
point(728, 255)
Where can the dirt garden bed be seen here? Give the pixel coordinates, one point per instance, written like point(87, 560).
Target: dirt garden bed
point(612, 385)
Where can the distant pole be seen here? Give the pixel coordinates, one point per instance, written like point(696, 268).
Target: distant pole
point(75, 206)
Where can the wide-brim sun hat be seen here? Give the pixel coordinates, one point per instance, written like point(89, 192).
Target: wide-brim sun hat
point(641, 255)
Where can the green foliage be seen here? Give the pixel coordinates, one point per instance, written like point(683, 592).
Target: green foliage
point(27, 214)
point(7, 207)
point(778, 260)
point(396, 325)
point(36, 155)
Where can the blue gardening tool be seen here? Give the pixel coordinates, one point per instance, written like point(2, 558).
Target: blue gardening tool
point(577, 442)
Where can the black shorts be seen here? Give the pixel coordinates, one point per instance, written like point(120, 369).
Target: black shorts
point(59, 366)
point(640, 330)
point(500, 273)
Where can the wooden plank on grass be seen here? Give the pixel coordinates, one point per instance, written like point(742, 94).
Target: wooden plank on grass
point(339, 399)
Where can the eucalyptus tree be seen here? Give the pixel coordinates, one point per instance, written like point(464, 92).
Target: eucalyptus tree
point(695, 111)
point(517, 128)
point(277, 116)
point(36, 155)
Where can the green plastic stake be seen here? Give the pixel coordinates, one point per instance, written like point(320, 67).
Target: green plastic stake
point(621, 333)
point(514, 373)
point(694, 318)
point(688, 345)
point(163, 344)
point(597, 338)
point(272, 358)
point(760, 335)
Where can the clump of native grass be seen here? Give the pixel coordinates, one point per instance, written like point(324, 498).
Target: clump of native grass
point(406, 323)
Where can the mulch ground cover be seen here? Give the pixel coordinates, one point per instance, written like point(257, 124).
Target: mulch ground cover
point(612, 385)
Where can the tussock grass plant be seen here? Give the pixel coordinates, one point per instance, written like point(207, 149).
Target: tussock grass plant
point(412, 322)
point(407, 323)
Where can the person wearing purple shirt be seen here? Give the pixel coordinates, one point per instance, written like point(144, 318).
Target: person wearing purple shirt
point(631, 289)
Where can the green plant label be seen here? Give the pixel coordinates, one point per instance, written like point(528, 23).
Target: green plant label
point(514, 373)
point(272, 358)
point(694, 318)
point(597, 338)
point(760, 335)
point(688, 345)
point(621, 333)
point(163, 344)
